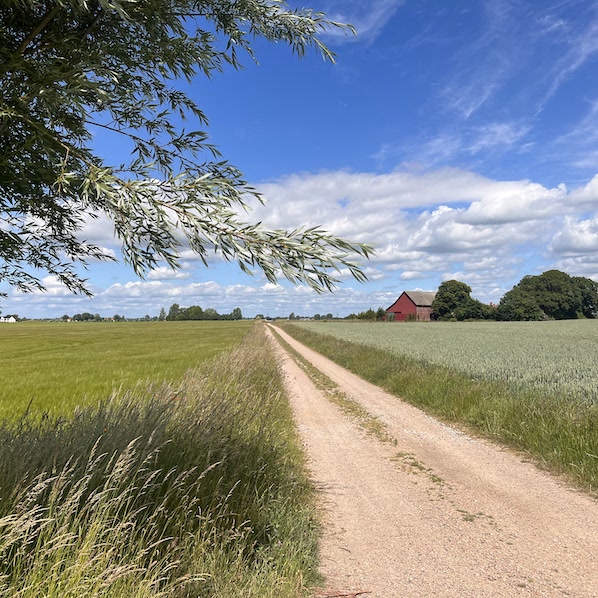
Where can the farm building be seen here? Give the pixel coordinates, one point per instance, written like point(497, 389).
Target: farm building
point(9, 319)
point(412, 305)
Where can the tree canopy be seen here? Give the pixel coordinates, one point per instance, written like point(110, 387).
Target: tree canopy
point(550, 295)
point(453, 301)
point(71, 68)
point(195, 312)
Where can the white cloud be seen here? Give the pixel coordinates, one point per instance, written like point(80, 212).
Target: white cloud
point(411, 275)
point(54, 288)
point(369, 18)
point(410, 211)
point(577, 237)
point(166, 273)
point(529, 201)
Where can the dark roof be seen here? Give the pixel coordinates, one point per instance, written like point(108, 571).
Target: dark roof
point(421, 298)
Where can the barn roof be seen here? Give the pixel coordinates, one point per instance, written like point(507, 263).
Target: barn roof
point(421, 298)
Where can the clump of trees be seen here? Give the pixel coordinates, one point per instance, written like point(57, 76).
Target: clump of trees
point(553, 295)
point(195, 312)
point(87, 317)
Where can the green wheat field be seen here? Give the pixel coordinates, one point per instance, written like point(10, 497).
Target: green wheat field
point(57, 366)
point(156, 460)
point(558, 357)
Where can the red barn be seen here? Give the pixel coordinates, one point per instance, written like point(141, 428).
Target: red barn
point(412, 305)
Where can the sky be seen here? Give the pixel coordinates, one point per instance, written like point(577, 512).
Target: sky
point(459, 138)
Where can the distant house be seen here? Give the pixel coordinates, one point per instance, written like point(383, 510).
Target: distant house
point(9, 319)
point(412, 305)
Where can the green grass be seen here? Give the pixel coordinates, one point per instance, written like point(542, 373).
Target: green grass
point(194, 489)
point(560, 434)
point(58, 366)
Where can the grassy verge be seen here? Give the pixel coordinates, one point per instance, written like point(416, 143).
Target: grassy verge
point(57, 366)
point(193, 490)
point(560, 434)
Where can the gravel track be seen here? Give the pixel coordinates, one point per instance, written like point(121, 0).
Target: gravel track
point(439, 513)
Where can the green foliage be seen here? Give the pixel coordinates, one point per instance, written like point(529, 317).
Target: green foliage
point(195, 312)
point(551, 295)
point(56, 367)
point(71, 68)
point(453, 301)
point(368, 315)
point(194, 489)
point(517, 306)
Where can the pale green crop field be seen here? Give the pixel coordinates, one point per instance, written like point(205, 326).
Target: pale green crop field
point(556, 357)
point(58, 366)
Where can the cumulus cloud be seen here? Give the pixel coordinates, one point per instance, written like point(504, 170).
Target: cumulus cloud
point(527, 201)
point(577, 237)
point(166, 273)
point(425, 225)
point(443, 210)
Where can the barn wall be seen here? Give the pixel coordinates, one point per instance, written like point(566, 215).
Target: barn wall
point(423, 314)
point(403, 307)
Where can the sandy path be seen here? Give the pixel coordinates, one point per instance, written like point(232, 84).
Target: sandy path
point(440, 513)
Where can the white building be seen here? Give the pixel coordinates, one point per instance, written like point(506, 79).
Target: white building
point(10, 319)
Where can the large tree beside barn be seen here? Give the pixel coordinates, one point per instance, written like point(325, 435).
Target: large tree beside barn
point(453, 301)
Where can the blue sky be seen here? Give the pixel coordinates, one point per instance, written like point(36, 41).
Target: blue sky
point(460, 138)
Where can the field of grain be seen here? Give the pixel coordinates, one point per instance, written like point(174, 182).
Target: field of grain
point(556, 357)
point(57, 366)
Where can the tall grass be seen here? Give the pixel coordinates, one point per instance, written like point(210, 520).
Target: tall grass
point(195, 490)
point(562, 435)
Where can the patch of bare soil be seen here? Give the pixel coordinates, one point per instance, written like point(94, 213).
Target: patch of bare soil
point(438, 514)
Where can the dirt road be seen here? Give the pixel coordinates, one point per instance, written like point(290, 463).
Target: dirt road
point(439, 513)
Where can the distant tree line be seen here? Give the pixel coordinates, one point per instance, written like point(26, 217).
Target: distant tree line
point(553, 295)
point(369, 315)
point(87, 317)
point(195, 312)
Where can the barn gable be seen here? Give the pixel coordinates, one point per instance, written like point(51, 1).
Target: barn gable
point(412, 305)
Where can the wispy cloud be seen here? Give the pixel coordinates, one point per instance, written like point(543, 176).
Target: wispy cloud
point(458, 145)
point(482, 66)
point(368, 17)
point(583, 47)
